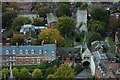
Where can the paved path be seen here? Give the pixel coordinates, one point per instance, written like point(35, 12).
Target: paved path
point(86, 73)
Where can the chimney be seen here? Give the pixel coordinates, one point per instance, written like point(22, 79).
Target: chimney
point(42, 43)
point(7, 44)
point(0, 44)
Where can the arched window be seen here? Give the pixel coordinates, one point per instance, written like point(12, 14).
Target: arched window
point(21, 52)
point(7, 51)
point(26, 51)
point(40, 51)
point(32, 51)
point(13, 51)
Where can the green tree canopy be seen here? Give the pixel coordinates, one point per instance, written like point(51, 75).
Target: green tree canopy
point(66, 26)
point(16, 39)
point(7, 18)
point(43, 11)
point(97, 26)
point(42, 66)
point(83, 6)
point(24, 74)
point(15, 72)
point(50, 77)
point(64, 71)
point(14, 6)
point(50, 71)
point(51, 36)
point(63, 9)
point(37, 74)
point(100, 14)
point(37, 21)
point(19, 21)
point(5, 73)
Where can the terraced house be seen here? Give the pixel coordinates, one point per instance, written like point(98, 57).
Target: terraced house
point(27, 55)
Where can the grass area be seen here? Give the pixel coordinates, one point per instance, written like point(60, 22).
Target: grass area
point(68, 43)
point(112, 44)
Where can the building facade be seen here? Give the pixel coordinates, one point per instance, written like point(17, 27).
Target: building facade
point(27, 55)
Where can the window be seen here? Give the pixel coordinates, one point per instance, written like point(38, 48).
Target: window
point(32, 60)
point(20, 60)
point(38, 60)
point(32, 51)
point(40, 51)
point(53, 51)
point(27, 60)
point(13, 51)
point(26, 51)
point(7, 52)
point(53, 55)
point(45, 51)
point(21, 52)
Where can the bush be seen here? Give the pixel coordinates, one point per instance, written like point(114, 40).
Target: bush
point(42, 66)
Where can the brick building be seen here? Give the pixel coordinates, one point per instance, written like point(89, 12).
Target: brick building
point(27, 55)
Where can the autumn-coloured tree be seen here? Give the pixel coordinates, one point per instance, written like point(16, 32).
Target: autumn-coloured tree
point(51, 77)
point(5, 73)
point(37, 21)
point(15, 72)
point(114, 23)
point(37, 74)
point(51, 36)
point(64, 71)
point(16, 39)
point(24, 74)
point(14, 6)
point(37, 6)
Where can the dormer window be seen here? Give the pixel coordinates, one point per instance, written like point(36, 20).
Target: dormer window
point(32, 51)
point(53, 51)
point(40, 51)
point(26, 51)
point(13, 51)
point(21, 52)
point(45, 51)
point(7, 52)
point(53, 55)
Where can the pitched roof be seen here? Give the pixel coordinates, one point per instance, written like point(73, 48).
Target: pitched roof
point(29, 50)
point(51, 18)
point(68, 52)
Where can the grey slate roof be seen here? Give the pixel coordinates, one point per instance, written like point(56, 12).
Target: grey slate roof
point(51, 18)
point(68, 52)
point(32, 50)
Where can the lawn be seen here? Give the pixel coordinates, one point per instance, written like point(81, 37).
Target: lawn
point(112, 44)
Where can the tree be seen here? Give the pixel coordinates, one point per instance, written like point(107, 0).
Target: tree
point(50, 71)
point(51, 36)
point(37, 74)
point(24, 74)
point(37, 6)
point(43, 11)
point(97, 26)
point(5, 73)
point(7, 18)
point(50, 77)
point(14, 6)
point(63, 10)
point(19, 21)
point(16, 39)
point(64, 71)
point(15, 72)
point(96, 36)
point(42, 66)
point(100, 14)
point(66, 26)
point(114, 23)
point(37, 21)
point(83, 6)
